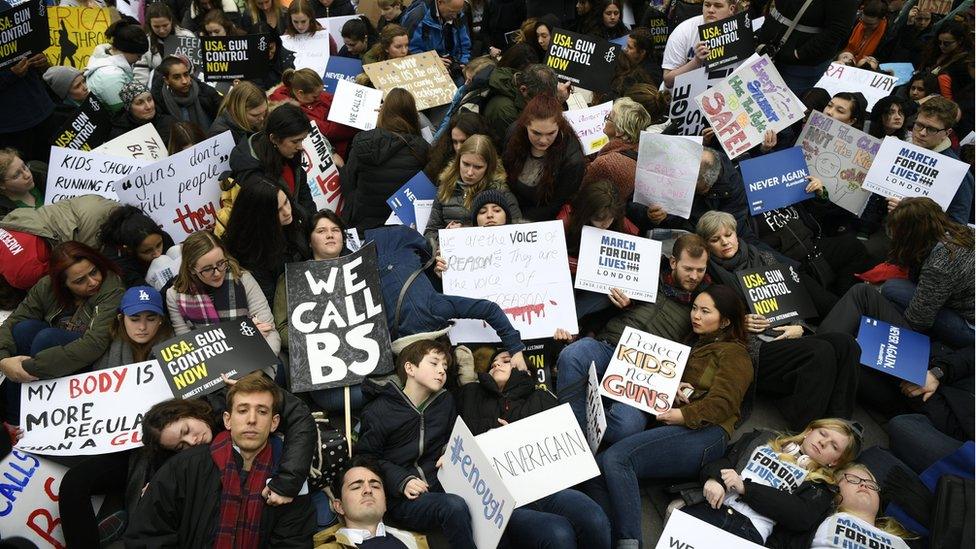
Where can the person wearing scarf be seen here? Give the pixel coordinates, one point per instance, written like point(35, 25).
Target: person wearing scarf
point(182, 96)
point(869, 31)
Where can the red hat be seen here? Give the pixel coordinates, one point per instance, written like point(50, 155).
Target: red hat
point(23, 258)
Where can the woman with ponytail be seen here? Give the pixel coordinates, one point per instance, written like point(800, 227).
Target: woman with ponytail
point(305, 87)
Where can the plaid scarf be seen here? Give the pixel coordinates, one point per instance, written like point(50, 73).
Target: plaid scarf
point(671, 290)
point(241, 503)
point(215, 305)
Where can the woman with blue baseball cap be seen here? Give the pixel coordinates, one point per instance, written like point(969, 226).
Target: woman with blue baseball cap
point(140, 324)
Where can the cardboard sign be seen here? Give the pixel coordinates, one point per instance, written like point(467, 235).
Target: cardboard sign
point(684, 531)
point(901, 169)
point(596, 416)
point(608, 259)
point(562, 454)
point(468, 473)
point(684, 111)
point(841, 78)
point(337, 332)
point(645, 371)
point(143, 144)
point(588, 124)
point(74, 33)
point(185, 46)
point(896, 351)
point(840, 156)
point(340, 68)
point(748, 102)
point(311, 50)
point(93, 413)
point(87, 128)
point(229, 58)
point(523, 268)
point(582, 59)
point(775, 180)
point(667, 172)
point(355, 106)
point(422, 74)
point(320, 170)
point(935, 7)
point(181, 192)
point(404, 200)
point(74, 173)
point(24, 32)
point(730, 41)
point(776, 293)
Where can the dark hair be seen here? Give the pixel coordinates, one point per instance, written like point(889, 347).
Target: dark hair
point(286, 120)
point(643, 40)
point(881, 108)
point(594, 200)
point(916, 225)
point(859, 106)
point(140, 351)
point(518, 57)
point(331, 216)
point(220, 18)
point(169, 62)
point(358, 29)
point(365, 462)
point(538, 79)
point(729, 304)
point(398, 113)
point(183, 135)
point(929, 81)
point(65, 255)
point(254, 236)
point(442, 152)
point(416, 351)
point(155, 11)
point(255, 382)
point(541, 107)
point(875, 8)
point(162, 414)
point(815, 99)
point(127, 32)
point(690, 244)
point(963, 35)
point(126, 228)
point(627, 74)
point(619, 29)
point(654, 101)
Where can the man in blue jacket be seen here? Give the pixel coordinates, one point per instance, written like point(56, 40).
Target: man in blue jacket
point(435, 25)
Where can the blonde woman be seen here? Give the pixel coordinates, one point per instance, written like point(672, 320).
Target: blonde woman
point(270, 12)
point(242, 111)
point(858, 504)
point(617, 160)
point(475, 168)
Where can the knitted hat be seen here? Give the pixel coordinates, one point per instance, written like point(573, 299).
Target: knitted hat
point(60, 79)
point(489, 196)
point(130, 39)
point(130, 91)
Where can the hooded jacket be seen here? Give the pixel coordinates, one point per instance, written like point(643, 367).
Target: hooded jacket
point(244, 164)
point(505, 102)
point(106, 74)
point(427, 32)
point(80, 218)
point(482, 404)
point(340, 135)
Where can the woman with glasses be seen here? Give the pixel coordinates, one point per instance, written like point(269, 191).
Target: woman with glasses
point(949, 56)
point(858, 505)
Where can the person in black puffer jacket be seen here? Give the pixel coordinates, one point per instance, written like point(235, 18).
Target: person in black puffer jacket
point(492, 399)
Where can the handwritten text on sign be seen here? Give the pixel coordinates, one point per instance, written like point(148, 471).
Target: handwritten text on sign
point(320, 170)
point(74, 173)
point(645, 371)
point(667, 172)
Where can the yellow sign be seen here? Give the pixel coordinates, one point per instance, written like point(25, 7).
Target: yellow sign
point(75, 32)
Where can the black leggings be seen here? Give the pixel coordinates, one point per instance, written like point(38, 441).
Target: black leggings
point(94, 475)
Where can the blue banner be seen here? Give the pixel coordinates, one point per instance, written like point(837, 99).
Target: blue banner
point(902, 71)
point(775, 180)
point(401, 202)
point(895, 351)
point(340, 68)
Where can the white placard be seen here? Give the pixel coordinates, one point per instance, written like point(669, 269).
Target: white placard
point(421, 210)
point(645, 371)
point(684, 531)
point(311, 50)
point(841, 78)
point(334, 26)
point(181, 192)
point(523, 268)
point(321, 172)
point(608, 259)
point(356, 106)
point(901, 169)
point(143, 143)
point(72, 173)
point(684, 111)
point(969, 139)
point(596, 416)
point(588, 124)
point(468, 473)
point(667, 172)
point(93, 413)
point(576, 101)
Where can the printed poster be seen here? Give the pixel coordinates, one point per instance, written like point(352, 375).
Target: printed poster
point(667, 172)
point(608, 259)
point(87, 128)
point(684, 111)
point(896, 351)
point(229, 58)
point(403, 203)
point(583, 59)
point(645, 371)
point(340, 68)
point(320, 170)
point(901, 169)
point(74, 34)
point(776, 293)
point(730, 41)
point(23, 32)
point(775, 180)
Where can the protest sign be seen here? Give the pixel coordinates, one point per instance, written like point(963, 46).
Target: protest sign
point(582, 59)
point(180, 192)
point(334, 26)
point(185, 46)
point(540, 455)
point(729, 40)
point(667, 172)
point(596, 416)
point(422, 74)
point(776, 293)
point(841, 78)
point(133, 8)
point(338, 337)
point(229, 58)
point(93, 413)
point(751, 100)
point(311, 50)
point(894, 350)
point(608, 259)
point(402, 202)
point(644, 371)
point(588, 124)
point(683, 531)
point(522, 268)
point(468, 473)
point(75, 173)
point(840, 155)
point(901, 169)
point(88, 127)
point(340, 68)
point(355, 106)
point(843, 529)
point(538, 357)
point(422, 207)
point(74, 33)
point(143, 144)
point(684, 111)
point(902, 71)
point(657, 23)
point(193, 362)
point(23, 32)
point(320, 170)
point(935, 7)
point(968, 140)
point(775, 180)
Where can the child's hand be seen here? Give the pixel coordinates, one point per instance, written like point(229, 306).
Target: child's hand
point(414, 488)
point(714, 493)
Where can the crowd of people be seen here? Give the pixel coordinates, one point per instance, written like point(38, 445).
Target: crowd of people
point(92, 284)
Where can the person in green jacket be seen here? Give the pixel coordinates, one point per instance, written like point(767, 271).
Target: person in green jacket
point(63, 324)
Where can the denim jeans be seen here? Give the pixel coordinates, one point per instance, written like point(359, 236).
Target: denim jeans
point(727, 519)
point(949, 327)
point(914, 440)
point(588, 302)
point(573, 367)
point(564, 520)
point(31, 337)
point(432, 511)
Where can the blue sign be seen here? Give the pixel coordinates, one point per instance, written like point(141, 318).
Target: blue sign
point(902, 71)
point(418, 188)
point(775, 180)
point(894, 350)
point(622, 41)
point(340, 68)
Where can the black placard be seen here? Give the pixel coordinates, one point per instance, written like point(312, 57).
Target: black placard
point(185, 46)
point(228, 58)
point(776, 293)
point(657, 23)
point(337, 332)
point(582, 59)
point(23, 32)
point(730, 41)
point(87, 128)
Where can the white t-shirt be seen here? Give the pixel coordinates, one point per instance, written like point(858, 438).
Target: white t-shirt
point(681, 48)
point(844, 531)
point(765, 467)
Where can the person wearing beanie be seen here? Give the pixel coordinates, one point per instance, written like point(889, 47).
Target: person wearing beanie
point(67, 83)
point(110, 65)
point(138, 108)
point(490, 209)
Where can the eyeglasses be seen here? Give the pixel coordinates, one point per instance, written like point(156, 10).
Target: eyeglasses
point(928, 129)
point(868, 483)
point(607, 117)
point(212, 270)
